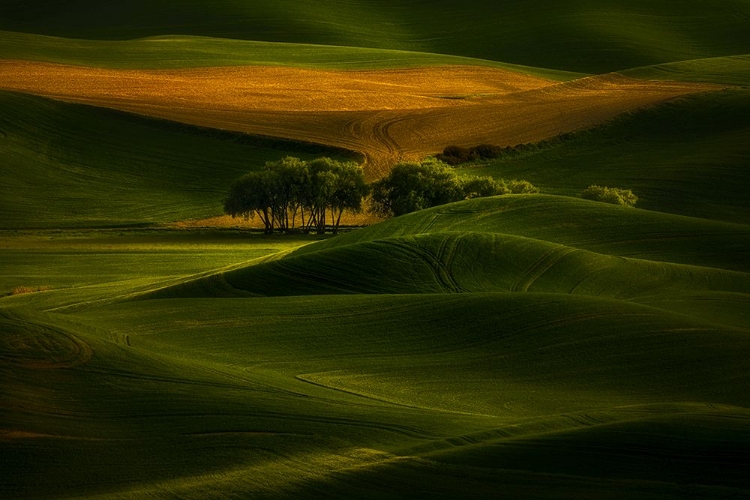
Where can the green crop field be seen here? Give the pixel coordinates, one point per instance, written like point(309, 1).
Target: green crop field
point(76, 166)
point(574, 35)
point(689, 156)
point(527, 346)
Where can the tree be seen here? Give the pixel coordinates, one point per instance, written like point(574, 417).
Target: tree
point(290, 188)
point(350, 189)
point(293, 177)
point(478, 187)
point(255, 193)
point(414, 186)
point(615, 196)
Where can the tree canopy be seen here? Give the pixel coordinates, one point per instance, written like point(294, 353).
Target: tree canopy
point(292, 191)
point(414, 186)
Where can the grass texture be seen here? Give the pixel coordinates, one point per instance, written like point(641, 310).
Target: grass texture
point(688, 156)
point(524, 346)
point(573, 35)
point(69, 165)
point(397, 385)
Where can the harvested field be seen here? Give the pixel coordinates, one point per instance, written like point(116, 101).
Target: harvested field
point(386, 115)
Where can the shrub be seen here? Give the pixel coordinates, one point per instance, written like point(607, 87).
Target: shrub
point(522, 187)
point(615, 196)
point(478, 187)
point(486, 152)
point(454, 155)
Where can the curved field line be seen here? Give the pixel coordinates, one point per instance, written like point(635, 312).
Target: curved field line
point(442, 274)
point(38, 346)
point(541, 266)
point(387, 115)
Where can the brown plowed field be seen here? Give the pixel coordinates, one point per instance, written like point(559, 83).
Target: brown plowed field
point(386, 115)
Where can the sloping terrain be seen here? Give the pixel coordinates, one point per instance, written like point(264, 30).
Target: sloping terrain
point(575, 35)
point(521, 346)
point(688, 156)
point(76, 166)
point(181, 51)
point(437, 351)
point(597, 227)
point(387, 115)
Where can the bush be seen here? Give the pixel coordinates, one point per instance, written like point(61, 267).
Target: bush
point(522, 187)
point(615, 196)
point(454, 155)
point(478, 187)
point(486, 152)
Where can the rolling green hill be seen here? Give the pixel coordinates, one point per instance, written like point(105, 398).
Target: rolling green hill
point(68, 165)
point(146, 371)
point(733, 70)
point(574, 35)
point(179, 51)
point(689, 156)
point(521, 346)
point(275, 396)
point(466, 262)
point(581, 224)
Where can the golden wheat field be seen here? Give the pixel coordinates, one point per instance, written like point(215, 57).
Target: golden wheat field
point(387, 115)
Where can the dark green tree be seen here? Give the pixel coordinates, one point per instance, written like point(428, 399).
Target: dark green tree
point(478, 187)
point(415, 186)
point(290, 188)
point(255, 193)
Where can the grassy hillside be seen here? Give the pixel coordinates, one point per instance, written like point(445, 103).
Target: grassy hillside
point(281, 389)
point(575, 35)
point(175, 51)
point(394, 386)
point(734, 70)
point(473, 247)
point(581, 224)
point(521, 346)
point(67, 165)
point(688, 156)
point(465, 262)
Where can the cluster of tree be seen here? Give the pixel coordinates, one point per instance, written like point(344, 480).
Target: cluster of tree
point(415, 186)
point(292, 193)
point(616, 196)
point(456, 155)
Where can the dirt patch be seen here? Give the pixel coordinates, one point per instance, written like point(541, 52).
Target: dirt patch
point(386, 115)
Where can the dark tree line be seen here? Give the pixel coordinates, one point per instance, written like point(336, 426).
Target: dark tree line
point(295, 194)
point(415, 186)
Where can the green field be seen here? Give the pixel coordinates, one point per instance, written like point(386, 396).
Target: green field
point(689, 156)
point(574, 35)
point(377, 376)
point(521, 346)
point(77, 166)
point(180, 51)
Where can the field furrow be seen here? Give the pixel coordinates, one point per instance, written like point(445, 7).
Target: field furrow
point(386, 115)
